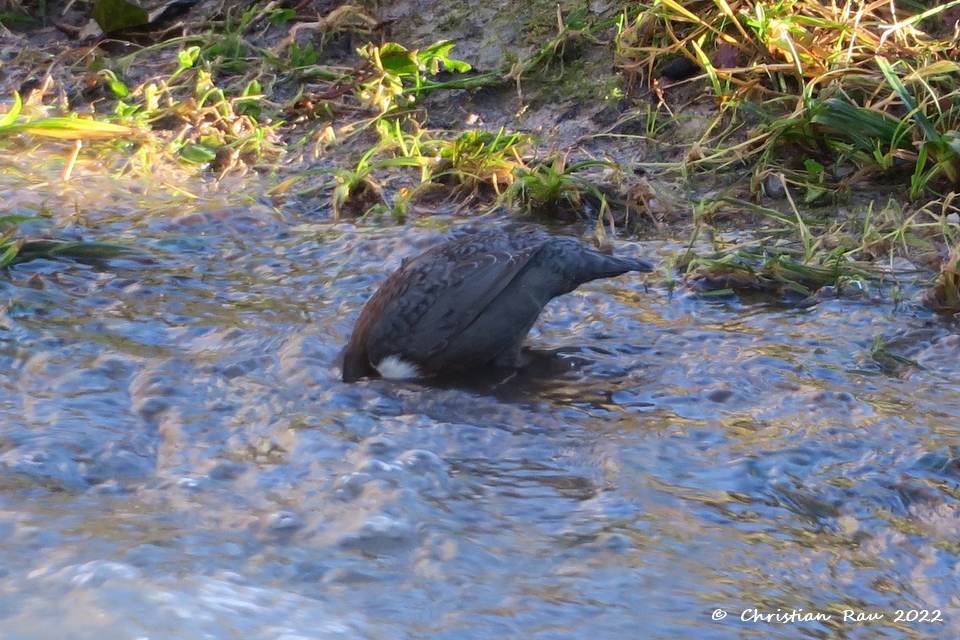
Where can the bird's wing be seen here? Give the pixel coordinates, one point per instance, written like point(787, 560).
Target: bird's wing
point(450, 294)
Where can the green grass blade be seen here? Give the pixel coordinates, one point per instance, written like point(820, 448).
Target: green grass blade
point(10, 117)
point(908, 101)
point(71, 129)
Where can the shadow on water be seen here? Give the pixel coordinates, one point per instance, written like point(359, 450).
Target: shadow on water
point(545, 374)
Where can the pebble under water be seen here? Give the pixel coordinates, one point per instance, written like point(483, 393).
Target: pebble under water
point(179, 459)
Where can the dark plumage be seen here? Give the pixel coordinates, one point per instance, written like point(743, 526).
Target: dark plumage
point(469, 302)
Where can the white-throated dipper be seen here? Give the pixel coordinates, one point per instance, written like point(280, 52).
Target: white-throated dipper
point(469, 302)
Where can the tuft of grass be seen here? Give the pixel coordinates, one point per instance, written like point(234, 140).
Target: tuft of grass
point(355, 192)
point(944, 296)
point(796, 254)
point(884, 353)
point(553, 189)
point(16, 250)
point(769, 270)
point(480, 159)
point(816, 82)
point(64, 128)
point(473, 163)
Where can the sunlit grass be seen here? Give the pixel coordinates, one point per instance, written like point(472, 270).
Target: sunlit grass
point(16, 249)
point(812, 103)
point(813, 78)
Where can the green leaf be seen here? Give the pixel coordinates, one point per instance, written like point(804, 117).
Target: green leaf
point(814, 168)
point(253, 88)
point(281, 17)
point(392, 48)
point(113, 15)
point(198, 154)
point(305, 57)
point(456, 66)
point(188, 57)
point(119, 89)
point(250, 107)
point(399, 63)
point(440, 52)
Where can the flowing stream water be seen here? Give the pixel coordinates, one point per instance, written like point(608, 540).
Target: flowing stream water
point(178, 458)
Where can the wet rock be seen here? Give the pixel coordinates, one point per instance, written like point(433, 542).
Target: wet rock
point(773, 187)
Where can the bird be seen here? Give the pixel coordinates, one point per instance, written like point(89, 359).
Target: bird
point(469, 303)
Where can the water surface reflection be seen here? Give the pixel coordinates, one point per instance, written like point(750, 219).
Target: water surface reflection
point(179, 460)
